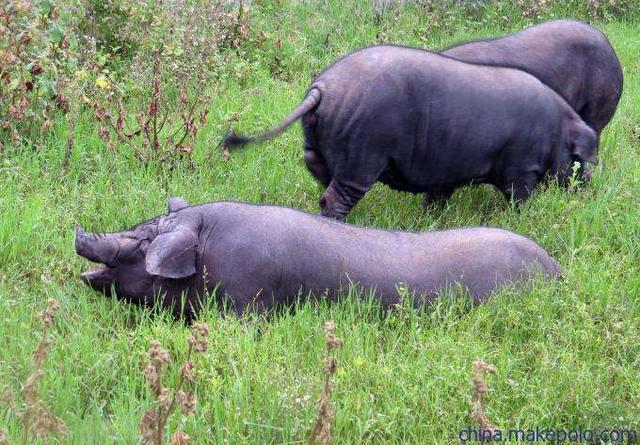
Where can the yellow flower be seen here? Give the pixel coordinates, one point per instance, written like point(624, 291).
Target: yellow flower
point(81, 74)
point(102, 83)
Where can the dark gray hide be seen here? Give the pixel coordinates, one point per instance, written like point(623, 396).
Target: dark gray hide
point(266, 255)
point(423, 122)
point(574, 59)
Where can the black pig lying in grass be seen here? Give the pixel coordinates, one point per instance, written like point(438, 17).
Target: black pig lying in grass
point(263, 256)
point(424, 122)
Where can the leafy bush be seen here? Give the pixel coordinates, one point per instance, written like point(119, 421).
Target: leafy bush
point(158, 107)
point(107, 22)
point(522, 9)
point(37, 56)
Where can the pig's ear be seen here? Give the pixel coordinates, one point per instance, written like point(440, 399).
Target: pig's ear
point(176, 203)
point(173, 254)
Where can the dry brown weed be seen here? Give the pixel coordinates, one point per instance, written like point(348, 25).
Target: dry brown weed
point(37, 420)
point(154, 421)
point(480, 388)
point(325, 416)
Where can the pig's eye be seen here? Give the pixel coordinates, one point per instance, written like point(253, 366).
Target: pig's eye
point(128, 248)
point(144, 244)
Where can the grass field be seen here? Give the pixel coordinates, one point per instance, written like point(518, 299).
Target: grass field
point(567, 355)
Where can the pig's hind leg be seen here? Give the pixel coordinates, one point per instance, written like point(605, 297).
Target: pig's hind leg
point(347, 188)
point(315, 162)
point(317, 166)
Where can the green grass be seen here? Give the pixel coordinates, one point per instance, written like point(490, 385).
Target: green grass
point(567, 354)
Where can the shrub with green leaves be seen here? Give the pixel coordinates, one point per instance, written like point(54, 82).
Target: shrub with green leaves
point(37, 56)
point(107, 22)
point(156, 105)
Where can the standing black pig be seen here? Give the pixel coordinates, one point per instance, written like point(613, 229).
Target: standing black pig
point(573, 58)
point(265, 255)
point(424, 122)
